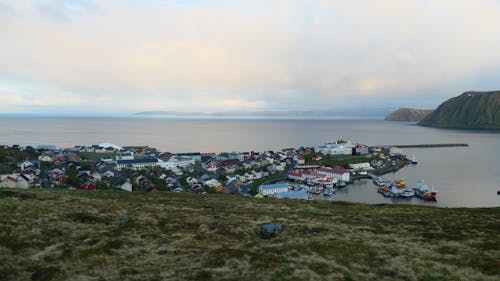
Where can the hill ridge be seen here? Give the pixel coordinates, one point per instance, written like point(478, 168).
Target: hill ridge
point(470, 110)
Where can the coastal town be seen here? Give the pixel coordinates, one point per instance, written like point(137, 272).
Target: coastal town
point(303, 172)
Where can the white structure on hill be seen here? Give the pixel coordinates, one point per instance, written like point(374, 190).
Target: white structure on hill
point(336, 148)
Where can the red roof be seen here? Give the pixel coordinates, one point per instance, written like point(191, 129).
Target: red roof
point(333, 171)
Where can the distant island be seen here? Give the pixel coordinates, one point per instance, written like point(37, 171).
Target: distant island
point(366, 113)
point(408, 114)
point(470, 110)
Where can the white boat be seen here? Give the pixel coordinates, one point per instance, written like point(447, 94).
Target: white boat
point(395, 191)
point(407, 193)
point(414, 160)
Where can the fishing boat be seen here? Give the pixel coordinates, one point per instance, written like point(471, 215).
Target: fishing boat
point(423, 191)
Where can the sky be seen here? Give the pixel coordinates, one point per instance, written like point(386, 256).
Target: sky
point(117, 57)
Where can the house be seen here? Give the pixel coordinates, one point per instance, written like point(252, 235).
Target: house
point(296, 176)
point(22, 181)
point(178, 171)
point(212, 183)
point(8, 181)
point(96, 176)
point(125, 185)
point(301, 160)
point(25, 165)
point(108, 174)
point(317, 157)
point(45, 158)
point(361, 149)
point(230, 169)
point(138, 163)
point(230, 163)
point(60, 179)
point(360, 166)
point(271, 189)
point(16, 180)
point(107, 159)
point(340, 174)
point(125, 155)
point(89, 184)
point(210, 166)
point(191, 181)
point(257, 174)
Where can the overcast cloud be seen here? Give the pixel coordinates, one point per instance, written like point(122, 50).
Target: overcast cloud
point(120, 57)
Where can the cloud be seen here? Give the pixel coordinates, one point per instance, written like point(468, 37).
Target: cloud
point(204, 55)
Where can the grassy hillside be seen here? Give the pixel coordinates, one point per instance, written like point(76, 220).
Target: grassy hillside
point(408, 114)
point(65, 235)
point(471, 110)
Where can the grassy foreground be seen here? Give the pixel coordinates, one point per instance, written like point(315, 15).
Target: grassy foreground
point(76, 235)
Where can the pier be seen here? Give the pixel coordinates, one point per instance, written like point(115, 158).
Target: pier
point(429, 145)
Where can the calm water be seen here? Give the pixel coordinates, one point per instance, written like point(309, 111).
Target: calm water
point(464, 176)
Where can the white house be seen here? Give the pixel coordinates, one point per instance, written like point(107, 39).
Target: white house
point(107, 159)
point(212, 183)
point(270, 189)
point(359, 166)
point(25, 164)
point(127, 186)
point(125, 155)
point(45, 158)
point(338, 173)
point(191, 181)
point(15, 181)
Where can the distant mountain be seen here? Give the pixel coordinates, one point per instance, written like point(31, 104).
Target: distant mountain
point(408, 114)
point(470, 110)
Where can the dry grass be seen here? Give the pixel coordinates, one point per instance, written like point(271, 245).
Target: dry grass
point(61, 235)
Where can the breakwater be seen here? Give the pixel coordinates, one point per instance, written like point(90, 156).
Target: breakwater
point(430, 145)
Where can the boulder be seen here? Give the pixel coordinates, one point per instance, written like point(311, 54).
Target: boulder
point(268, 231)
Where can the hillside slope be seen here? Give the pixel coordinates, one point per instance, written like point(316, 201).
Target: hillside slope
point(408, 114)
point(471, 110)
point(78, 235)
